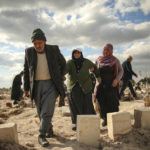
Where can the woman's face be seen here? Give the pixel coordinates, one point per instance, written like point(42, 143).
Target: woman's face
point(107, 51)
point(77, 54)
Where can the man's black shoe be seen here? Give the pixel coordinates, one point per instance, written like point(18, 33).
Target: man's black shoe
point(42, 141)
point(74, 128)
point(50, 133)
point(104, 123)
point(61, 103)
point(15, 102)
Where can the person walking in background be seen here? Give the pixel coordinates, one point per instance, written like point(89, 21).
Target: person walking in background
point(43, 74)
point(79, 85)
point(137, 86)
point(16, 91)
point(127, 77)
point(107, 91)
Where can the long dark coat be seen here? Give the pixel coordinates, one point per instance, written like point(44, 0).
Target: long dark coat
point(16, 92)
point(56, 65)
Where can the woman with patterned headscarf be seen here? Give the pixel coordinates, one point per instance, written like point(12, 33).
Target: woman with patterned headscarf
point(107, 92)
point(79, 85)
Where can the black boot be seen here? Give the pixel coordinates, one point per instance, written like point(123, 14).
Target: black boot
point(42, 141)
point(104, 123)
point(15, 102)
point(61, 103)
point(74, 128)
point(50, 133)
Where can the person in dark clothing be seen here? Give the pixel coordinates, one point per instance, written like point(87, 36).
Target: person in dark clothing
point(137, 86)
point(79, 85)
point(43, 77)
point(107, 92)
point(127, 77)
point(16, 91)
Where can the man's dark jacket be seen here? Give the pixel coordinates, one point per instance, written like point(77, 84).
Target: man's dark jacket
point(56, 65)
point(128, 72)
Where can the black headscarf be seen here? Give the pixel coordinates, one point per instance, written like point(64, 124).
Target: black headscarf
point(78, 62)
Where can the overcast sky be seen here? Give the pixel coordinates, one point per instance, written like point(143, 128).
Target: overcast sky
point(87, 24)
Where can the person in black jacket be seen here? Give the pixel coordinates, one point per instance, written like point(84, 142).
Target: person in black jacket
point(127, 77)
point(43, 74)
point(16, 91)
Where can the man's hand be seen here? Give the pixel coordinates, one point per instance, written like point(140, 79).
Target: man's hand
point(26, 93)
point(115, 82)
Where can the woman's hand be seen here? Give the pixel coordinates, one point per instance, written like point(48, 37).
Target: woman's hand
point(26, 94)
point(63, 78)
point(99, 80)
point(91, 69)
point(115, 82)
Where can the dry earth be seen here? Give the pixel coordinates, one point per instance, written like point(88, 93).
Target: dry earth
point(65, 139)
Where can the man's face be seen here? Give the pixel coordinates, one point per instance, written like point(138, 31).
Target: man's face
point(39, 45)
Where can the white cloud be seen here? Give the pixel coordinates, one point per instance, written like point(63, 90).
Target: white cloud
point(145, 6)
point(11, 63)
point(126, 6)
point(36, 4)
point(6, 81)
point(96, 25)
point(93, 57)
point(91, 24)
point(140, 52)
point(10, 60)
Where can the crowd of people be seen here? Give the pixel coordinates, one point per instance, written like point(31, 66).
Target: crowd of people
point(44, 71)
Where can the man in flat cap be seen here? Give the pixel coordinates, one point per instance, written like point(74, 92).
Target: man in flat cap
point(43, 74)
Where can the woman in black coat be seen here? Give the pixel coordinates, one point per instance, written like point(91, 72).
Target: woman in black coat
point(16, 92)
point(107, 92)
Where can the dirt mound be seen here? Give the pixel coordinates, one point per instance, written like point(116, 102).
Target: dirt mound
point(137, 139)
point(12, 146)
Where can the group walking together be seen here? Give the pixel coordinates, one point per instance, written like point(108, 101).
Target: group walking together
point(44, 71)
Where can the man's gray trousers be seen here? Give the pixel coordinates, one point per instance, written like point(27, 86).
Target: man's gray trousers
point(45, 95)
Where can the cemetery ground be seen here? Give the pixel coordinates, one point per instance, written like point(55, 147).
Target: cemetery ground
point(65, 139)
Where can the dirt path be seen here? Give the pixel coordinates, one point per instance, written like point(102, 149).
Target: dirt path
point(65, 139)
